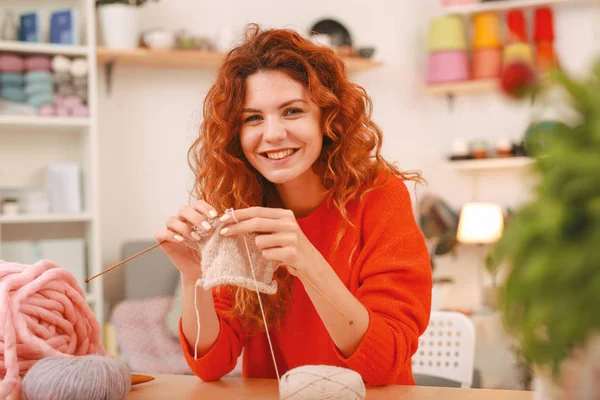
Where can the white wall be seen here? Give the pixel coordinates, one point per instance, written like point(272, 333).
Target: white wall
point(149, 120)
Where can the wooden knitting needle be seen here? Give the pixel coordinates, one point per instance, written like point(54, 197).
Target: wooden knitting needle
point(124, 261)
point(297, 271)
point(136, 379)
point(323, 296)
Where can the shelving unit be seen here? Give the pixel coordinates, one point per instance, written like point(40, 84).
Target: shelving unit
point(30, 141)
point(504, 5)
point(465, 87)
point(185, 59)
point(474, 166)
point(43, 48)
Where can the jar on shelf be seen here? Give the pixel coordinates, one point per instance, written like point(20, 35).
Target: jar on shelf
point(479, 149)
point(10, 206)
point(504, 147)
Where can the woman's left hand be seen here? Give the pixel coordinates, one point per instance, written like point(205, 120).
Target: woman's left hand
point(279, 237)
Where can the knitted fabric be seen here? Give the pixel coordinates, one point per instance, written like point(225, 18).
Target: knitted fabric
point(225, 262)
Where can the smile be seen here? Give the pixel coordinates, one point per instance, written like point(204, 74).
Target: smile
point(279, 155)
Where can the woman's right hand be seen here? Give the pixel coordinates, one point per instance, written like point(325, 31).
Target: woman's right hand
point(180, 228)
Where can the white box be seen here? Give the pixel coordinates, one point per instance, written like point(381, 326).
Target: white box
point(64, 188)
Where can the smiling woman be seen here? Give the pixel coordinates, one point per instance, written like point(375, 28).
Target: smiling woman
point(288, 143)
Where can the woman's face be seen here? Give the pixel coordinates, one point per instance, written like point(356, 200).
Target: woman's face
point(280, 132)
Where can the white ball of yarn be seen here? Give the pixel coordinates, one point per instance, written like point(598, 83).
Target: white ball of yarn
point(79, 68)
point(321, 382)
point(61, 64)
point(91, 377)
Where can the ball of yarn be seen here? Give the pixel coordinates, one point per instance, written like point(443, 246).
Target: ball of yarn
point(61, 64)
point(90, 377)
point(43, 313)
point(321, 382)
point(79, 67)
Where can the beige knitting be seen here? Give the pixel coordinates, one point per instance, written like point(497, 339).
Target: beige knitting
point(224, 260)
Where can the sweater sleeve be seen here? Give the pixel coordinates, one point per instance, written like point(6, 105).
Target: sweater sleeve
point(222, 357)
point(394, 284)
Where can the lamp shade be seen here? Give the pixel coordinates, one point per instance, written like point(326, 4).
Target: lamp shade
point(480, 223)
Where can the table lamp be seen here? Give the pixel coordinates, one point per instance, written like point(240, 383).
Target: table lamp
point(482, 223)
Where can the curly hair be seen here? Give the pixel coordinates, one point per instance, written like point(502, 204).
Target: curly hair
point(349, 163)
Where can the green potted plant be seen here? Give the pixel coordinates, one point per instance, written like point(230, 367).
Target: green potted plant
point(552, 244)
point(119, 22)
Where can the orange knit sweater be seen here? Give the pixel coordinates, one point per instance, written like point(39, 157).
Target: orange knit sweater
point(389, 273)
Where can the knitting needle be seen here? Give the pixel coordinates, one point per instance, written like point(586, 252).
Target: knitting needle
point(124, 261)
point(297, 271)
point(323, 296)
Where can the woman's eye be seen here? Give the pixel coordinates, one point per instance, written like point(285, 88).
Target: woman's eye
point(293, 111)
point(252, 118)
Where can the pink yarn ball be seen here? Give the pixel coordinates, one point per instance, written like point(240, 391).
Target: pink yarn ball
point(44, 313)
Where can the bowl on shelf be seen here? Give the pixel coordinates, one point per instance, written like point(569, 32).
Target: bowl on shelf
point(366, 52)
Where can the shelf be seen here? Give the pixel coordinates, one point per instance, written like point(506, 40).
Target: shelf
point(491, 164)
point(465, 87)
point(44, 218)
point(43, 48)
point(192, 59)
point(45, 122)
point(503, 5)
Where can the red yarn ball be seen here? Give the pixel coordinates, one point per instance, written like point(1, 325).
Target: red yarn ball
point(518, 80)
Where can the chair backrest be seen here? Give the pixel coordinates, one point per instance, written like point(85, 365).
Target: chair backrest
point(447, 348)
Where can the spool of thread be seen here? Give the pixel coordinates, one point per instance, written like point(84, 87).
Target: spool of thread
point(544, 25)
point(89, 377)
point(44, 313)
point(447, 34)
point(517, 30)
point(321, 382)
point(486, 31)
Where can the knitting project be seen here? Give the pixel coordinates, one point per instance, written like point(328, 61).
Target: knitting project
point(224, 260)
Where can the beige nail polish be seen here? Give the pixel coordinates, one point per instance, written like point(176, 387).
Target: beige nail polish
point(225, 217)
point(195, 236)
point(213, 213)
point(224, 231)
point(178, 238)
point(206, 225)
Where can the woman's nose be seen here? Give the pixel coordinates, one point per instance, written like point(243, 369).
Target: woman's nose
point(274, 131)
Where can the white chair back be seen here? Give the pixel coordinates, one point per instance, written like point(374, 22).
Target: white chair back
point(447, 348)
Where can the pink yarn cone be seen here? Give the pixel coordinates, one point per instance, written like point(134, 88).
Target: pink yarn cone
point(44, 313)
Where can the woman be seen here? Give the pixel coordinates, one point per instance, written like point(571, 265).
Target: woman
point(288, 142)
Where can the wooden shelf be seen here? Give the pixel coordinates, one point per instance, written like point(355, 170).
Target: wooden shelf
point(504, 5)
point(465, 87)
point(192, 59)
point(43, 122)
point(491, 164)
point(42, 48)
point(44, 218)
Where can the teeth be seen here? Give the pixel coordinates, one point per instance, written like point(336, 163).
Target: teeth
point(279, 154)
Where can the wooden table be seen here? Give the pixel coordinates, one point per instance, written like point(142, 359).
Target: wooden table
point(190, 387)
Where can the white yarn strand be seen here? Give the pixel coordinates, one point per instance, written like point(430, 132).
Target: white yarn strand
point(262, 310)
point(197, 319)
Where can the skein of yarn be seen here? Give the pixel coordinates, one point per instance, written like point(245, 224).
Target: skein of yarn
point(90, 377)
point(43, 313)
point(321, 382)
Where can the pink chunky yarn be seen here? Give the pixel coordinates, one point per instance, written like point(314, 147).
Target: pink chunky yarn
point(43, 313)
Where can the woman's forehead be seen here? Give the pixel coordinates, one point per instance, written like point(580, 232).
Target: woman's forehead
point(271, 89)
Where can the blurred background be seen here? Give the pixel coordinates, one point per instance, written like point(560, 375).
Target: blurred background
point(100, 101)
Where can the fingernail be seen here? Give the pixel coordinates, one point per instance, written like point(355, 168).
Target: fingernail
point(206, 225)
point(195, 236)
point(213, 213)
point(178, 238)
point(225, 217)
point(224, 231)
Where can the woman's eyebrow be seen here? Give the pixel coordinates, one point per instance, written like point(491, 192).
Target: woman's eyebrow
point(287, 103)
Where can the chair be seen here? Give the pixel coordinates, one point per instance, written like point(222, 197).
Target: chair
point(447, 348)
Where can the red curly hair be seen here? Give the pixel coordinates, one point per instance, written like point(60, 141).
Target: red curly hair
point(349, 162)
